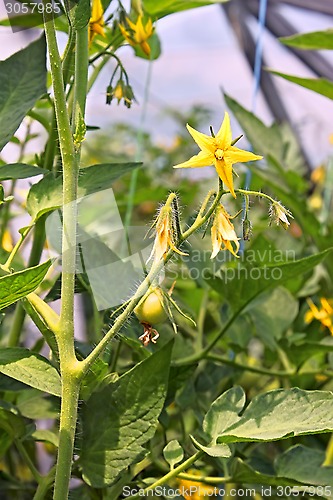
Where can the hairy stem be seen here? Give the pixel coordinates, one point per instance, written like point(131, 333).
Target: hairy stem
point(70, 155)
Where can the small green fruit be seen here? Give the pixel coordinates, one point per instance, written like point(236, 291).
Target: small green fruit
point(151, 310)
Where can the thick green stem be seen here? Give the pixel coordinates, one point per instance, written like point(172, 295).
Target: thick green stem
point(68, 416)
point(44, 485)
point(70, 154)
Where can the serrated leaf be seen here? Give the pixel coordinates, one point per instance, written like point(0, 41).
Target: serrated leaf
point(22, 82)
point(321, 86)
point(316, 40)
point(280, 414)
point(15, 286)
point(173, 453)
point(30, 368)
point(120, 419)
point(46, 195)
point(20, 171)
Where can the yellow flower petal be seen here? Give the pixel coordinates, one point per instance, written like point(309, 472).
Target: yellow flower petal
point(326, 305)
point(224, 135)
point(200, 160)
point(236, 155)
point(145, 47)
point(224, 170)
point(97, 12)
point(204, 142)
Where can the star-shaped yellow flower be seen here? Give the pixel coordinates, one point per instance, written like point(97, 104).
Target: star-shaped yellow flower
point(96, 23)
point(138, 34)
point(219, 152)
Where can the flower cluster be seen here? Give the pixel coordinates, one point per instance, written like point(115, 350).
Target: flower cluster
point(121, 91)
point(217, 150)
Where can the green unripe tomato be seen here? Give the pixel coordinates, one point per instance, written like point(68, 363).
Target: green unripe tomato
point(151, 310)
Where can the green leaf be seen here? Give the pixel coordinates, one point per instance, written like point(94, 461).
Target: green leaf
point(242, 472)
point(20, 171)
point(24, 20)
point(82, 14)
point(223, 412)
point(46, 195)
point(316, 40)
point(33, 404)
point(305, 465)
point(31, 369)
point(276, 143)
point(248, 283)
point(46, 436)
point(10, 420)
point(22, 82)
point(161, 8)
point(14, 287)
point(272, 313)
point(120, 419)
point(173, 453)
point(265, 140)
point(319, 85)
point(280, 414)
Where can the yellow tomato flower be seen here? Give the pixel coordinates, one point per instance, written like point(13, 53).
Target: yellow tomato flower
point(223, 233)
point(138, 34)
point(165, 235)
point(7, 241)
point(219, 152)
point(318, 175)
point(279, 214)
point(324, 314)
point(96, 23)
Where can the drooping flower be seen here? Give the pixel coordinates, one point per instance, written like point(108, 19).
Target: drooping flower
point(279, 214)
point(324, 314)
point(137, 33)
point(165, 234)
point(96, 23)
point(122, 91)
point(223, 233)
point(218, 151)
